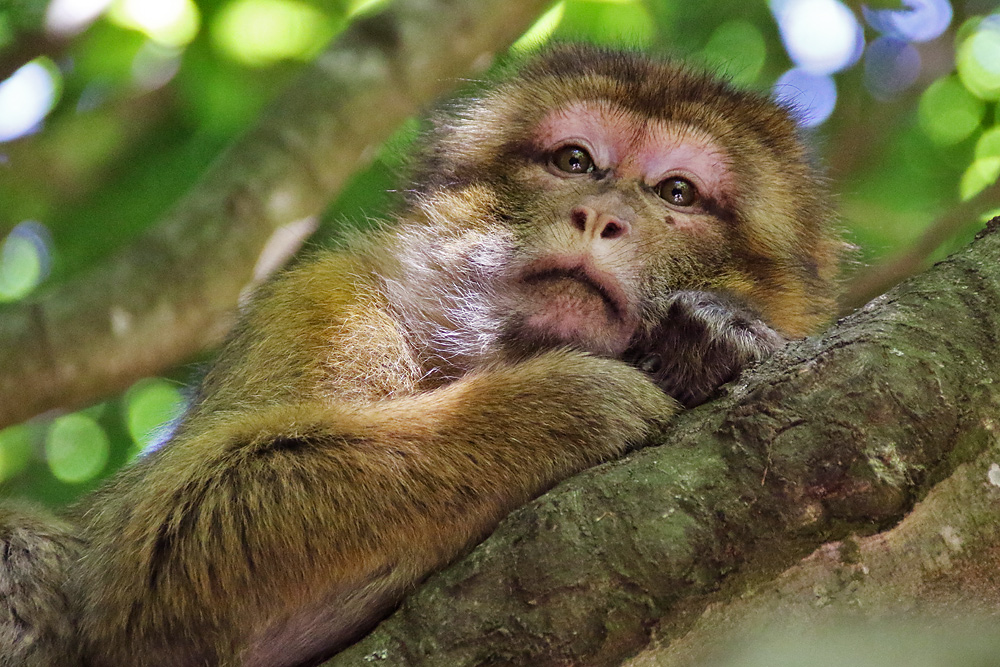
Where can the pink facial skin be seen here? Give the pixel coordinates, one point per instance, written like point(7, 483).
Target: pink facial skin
point(640, 148)
point(573, 300)
point(574, 293)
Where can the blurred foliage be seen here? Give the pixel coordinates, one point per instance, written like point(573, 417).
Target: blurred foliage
point(21, 15)
point(906, 642)
point(141, 101)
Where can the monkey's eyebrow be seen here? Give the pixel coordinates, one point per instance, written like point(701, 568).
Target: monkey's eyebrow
point(713, 206)
point(527, 149)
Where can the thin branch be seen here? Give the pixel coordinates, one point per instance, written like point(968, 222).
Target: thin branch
point(173, 292)
point(877, 279)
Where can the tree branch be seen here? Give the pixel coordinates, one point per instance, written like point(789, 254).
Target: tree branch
point(877, 279)
point(929, 583)
point(834, 435)
point(173, 292)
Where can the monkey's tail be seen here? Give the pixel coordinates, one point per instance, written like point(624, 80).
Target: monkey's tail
point(37, 620)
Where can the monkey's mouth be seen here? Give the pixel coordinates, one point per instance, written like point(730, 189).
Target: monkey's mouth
point(566, 301)
point(561, 280)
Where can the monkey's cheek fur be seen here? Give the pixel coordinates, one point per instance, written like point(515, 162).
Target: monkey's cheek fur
point(576, 312)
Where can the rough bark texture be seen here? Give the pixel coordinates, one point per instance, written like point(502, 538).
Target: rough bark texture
point(933, 579)
point(174, 291)
point(834, 436)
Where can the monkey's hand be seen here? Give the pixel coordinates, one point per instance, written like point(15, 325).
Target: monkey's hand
point(565, 397)
point(700, 341)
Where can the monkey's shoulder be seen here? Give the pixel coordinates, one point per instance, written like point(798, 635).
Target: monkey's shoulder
point(322, 328)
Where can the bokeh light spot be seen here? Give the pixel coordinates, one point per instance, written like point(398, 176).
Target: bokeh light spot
point(948, 113)
point(981, 174)
point(167, 22)
point(978, 59)
point(612, 22)
point(988, 145)
point(362, 7)
point(821, 36)
point(985, 169)
point(891, 66)
point(262, 32)
point(27, 96)
point(68, 17)
point(811, 97)
point(16, 443)
point(737, 49)
point(151, 405)
point(542, 31)
point(76, 448)
point(919, 21)
point(989, 215)
point(155, 65)
point(25, 260)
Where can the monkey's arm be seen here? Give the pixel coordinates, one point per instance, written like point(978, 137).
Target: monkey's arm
point(309, 520)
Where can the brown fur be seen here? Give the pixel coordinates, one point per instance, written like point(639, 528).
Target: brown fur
point(37, 623)
point(380, 409)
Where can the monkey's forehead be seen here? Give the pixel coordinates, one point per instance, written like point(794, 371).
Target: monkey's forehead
point(657, 89)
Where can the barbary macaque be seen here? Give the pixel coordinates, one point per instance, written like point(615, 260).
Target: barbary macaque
point(596, 225)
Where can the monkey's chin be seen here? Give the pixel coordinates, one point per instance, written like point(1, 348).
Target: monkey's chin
point(577, 333)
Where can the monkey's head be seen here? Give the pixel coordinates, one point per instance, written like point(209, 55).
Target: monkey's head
point(592, 181)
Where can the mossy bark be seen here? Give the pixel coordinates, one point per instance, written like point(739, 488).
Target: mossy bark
point(933, 577)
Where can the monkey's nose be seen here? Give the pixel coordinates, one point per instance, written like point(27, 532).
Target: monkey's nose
point(596, 224)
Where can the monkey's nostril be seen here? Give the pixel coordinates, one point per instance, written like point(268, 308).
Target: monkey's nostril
point(612, 230)
point(579, 217)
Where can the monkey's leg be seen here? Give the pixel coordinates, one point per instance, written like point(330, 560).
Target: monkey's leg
point(293, 528)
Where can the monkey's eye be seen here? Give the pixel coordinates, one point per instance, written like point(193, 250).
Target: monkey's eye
point(678, 191)
point(573, 160)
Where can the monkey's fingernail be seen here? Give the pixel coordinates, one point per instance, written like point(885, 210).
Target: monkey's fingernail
point(651, 364)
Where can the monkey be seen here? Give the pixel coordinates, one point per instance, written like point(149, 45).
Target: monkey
point(37, 618)
point(588, 243)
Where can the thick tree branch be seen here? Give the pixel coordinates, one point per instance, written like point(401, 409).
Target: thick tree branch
point(173, 292)
point(929, 583)
point(834, 435)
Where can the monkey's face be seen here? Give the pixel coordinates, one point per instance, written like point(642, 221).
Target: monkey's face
point(570, 198)
point(611, 207)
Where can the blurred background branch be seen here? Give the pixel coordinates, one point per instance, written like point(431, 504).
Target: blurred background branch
point(875, 280)
point(159, 157)
point(172, 291)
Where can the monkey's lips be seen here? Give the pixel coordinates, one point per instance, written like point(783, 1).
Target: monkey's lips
point(570, 302)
